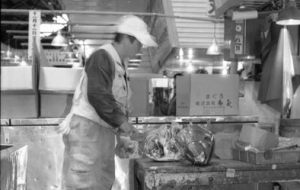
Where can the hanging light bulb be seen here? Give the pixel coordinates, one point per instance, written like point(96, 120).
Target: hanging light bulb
point(224, 69)
point(214, 48)
point(190, 68)
point(23, 62)
point(290, 15)
point(59, 40)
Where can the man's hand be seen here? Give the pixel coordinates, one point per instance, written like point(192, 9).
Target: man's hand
point(125, 147)
point(126, 129)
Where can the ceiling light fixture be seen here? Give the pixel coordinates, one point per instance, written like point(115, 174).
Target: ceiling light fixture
point(135, 60)
point(190, 68)
point(23, 62)
point(59, 40)
point(290, 15)
point(214, 48)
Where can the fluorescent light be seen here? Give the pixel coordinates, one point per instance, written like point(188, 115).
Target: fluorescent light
point(135, 60)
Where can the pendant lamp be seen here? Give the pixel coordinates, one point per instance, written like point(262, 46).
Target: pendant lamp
point(214, 48)
point(59, 40)
point(290, 15)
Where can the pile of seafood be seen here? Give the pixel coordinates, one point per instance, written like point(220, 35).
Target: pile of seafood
point(174, 142)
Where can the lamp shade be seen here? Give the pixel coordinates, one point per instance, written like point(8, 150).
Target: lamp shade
point(290, 15)
point(59, 40)
point(214, 48)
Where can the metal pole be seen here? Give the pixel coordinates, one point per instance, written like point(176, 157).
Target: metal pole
point(63, 32)
point(49, 44)
point(26, 11)
point(51, 37)
point(73, 23)
point(13, 22)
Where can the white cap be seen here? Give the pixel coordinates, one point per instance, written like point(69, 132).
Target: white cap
point(134, 26)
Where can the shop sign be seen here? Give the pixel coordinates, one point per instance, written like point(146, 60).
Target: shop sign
point(34, 31)
point(239, 38)
point(213, 101)
point(238, 47)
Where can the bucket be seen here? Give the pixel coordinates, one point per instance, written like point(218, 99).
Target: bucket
point(289, 128)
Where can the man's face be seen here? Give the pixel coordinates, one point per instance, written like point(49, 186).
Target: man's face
point(133, 48)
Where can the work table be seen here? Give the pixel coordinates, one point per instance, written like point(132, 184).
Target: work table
point(158, 175)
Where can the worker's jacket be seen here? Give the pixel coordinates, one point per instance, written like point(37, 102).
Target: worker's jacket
point(94, 100)
point(120, 90)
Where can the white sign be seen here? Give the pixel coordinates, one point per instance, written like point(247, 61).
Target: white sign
point(34, 31)
point(238, 47)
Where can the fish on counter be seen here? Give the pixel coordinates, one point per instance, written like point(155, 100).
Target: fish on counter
point(163, 144)
point(174, 142)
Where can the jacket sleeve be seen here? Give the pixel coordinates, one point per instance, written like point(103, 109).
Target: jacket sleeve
point(100, 72)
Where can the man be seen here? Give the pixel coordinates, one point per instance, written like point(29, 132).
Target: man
point(100, 110)
point(172, 104)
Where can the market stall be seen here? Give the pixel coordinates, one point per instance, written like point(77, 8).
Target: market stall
point(243, 132)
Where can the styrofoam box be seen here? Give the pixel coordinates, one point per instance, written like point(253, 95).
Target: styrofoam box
point(59, 79)
point(16, 78)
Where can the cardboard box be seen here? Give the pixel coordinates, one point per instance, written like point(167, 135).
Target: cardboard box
point(258, 138)
point(19, 97)
point(280, 156)
point(59, 79)
point(17, 78)
point(56, 88)
point(20, 104)
point(204, 94)
point(55, 105)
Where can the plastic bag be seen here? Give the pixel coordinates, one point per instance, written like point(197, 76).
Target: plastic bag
point(163, 144)
point(175, 142)
point(199, 144)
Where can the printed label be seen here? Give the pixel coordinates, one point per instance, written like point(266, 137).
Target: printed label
point(230, 172)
